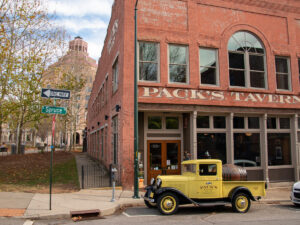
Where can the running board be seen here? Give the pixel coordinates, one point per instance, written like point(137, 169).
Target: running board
point(210, 203)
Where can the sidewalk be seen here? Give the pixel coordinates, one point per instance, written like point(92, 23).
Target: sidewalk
point(35, 206)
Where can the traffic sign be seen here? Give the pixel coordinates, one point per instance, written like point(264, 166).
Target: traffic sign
point(54, 110)
point(57, 94)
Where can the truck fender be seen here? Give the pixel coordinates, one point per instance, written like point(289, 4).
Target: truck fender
point(245, 190)
point(180, 195)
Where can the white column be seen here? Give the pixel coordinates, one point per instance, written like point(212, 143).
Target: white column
point(294, 149)
point(229, 139)
point(194, 134)
point(264, 147)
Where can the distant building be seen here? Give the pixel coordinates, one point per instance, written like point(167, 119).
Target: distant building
point(214, 76)
point(78, 63)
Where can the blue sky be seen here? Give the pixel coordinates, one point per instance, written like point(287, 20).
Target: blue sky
point(86, 18)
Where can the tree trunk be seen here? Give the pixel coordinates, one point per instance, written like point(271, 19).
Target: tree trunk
point(19, 138)
point(0, 132)
point(19, 131)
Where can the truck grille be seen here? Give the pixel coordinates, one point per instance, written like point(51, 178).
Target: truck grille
point(297, 195)
point(297, 189)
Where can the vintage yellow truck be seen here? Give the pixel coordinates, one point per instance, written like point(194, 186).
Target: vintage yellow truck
point(201, 183)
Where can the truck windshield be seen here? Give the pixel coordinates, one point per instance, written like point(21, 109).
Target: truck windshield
point(189, 168)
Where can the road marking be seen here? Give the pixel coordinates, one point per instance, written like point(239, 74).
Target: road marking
point(136, 216)
point(28, 222)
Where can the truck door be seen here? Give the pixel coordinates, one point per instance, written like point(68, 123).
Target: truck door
point(207, 184)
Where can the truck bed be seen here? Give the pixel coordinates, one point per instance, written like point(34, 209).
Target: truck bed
point(257, 188)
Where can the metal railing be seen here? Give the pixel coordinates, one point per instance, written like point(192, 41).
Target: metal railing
point(92, 176)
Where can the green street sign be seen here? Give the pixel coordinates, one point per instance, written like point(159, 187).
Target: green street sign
point(54, 110)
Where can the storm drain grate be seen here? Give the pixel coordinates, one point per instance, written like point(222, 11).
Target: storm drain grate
point(85, 214)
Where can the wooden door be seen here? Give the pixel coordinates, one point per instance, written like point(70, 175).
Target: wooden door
point(163, 158)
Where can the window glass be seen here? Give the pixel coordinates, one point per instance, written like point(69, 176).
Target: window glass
point(213, 143)
point(299, 68)
point(281, 65)
point(237, 78)
point(271, 123)
point(298, 122)
point(279, 149)
point(177, 54)
point(148, 63)
point(257, 79)
point(282, 73)
point(219, 122)
point(256, 62)
point(188, 168)
point(115, 139)
point(202, 121)
point(253, 122)
point(236, 61)
point(284, 123)
point(115, 76)
point(172, 123)
point(282, 81)
point(207, 169)
point(178, 64)
point(155, 156)
point(247, 149)
point(172, 156)
point(154, 122)
point(238, 122)
point(208, 66)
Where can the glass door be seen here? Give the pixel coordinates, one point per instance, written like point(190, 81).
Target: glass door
point(173, 161)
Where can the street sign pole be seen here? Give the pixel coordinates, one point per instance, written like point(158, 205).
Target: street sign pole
point(51, 160)
point(54, 94)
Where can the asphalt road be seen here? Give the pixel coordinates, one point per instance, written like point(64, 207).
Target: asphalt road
point(283, 214)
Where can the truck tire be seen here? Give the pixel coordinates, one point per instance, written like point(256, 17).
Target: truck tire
point(150, 204)
point(168, 203)
point(241, 203)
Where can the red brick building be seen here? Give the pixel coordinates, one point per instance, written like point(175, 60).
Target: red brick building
point(217, 76)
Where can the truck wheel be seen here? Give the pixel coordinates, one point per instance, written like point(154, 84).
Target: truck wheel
point(150, 204)
point(241, 203)
point(168, 203)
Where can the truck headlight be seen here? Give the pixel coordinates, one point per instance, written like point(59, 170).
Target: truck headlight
point(152, 181)
point(158, 182)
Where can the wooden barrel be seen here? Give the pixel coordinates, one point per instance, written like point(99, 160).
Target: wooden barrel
point(234, 173)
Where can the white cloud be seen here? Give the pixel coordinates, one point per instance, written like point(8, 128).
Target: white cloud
point(94, 49)
point(77, 24)
point(80, 8)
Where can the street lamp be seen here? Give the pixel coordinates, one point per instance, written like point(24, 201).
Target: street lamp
point(136, 188)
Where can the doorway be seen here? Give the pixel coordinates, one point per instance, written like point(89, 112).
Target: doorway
point(163, 158)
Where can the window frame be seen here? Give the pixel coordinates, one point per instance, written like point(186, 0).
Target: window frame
point(187, 64)
point(157, 44)
point(247, 68)
point(217, 74)
point(288, 61)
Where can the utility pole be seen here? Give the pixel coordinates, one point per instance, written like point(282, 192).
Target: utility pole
point(136, 188)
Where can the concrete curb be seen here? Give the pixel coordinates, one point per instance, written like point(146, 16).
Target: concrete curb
point(105, 212)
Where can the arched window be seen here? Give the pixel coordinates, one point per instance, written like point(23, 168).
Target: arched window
point(246, 61)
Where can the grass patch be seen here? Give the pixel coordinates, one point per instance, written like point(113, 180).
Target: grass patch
point(32, 171)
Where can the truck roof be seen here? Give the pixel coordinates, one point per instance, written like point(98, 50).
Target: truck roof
point(199, 161)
